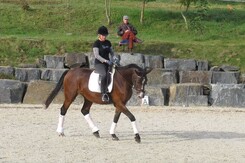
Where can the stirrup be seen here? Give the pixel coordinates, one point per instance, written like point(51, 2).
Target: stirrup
point(105, 97)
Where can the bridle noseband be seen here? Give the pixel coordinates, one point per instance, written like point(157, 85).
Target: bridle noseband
point(143, 83)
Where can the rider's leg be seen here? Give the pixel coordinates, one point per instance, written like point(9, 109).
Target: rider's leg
point(102, 70)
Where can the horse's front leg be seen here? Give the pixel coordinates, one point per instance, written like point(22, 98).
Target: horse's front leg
point(85, 111)
point(134, 125)
point(133, 122)
point(114, 125)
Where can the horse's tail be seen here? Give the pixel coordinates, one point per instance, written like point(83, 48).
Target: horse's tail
point(55, 91)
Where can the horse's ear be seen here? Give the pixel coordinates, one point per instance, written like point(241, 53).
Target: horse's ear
point(148, 70)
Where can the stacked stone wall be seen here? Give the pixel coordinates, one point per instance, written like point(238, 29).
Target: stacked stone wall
point(173, 82)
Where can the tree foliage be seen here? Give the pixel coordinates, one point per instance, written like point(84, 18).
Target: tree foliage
point(199, 14)
point(187, 3)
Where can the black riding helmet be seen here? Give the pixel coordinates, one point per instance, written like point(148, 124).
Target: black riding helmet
point(103, 31)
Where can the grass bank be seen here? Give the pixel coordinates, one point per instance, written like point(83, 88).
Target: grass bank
point(63, 26)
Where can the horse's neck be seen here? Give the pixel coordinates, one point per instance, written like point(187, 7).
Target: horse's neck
point(127, 75)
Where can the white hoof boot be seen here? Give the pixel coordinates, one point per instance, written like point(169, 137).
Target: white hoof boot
point(60, 131)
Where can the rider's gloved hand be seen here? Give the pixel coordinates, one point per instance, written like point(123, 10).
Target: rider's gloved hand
point(109, 62)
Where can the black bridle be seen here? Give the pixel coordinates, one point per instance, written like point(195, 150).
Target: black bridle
point(143, 83)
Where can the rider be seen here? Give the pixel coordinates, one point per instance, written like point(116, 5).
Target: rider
point(101, 49)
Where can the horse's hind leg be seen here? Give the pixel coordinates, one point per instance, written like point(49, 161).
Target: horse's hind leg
point(60, 128)
point(63, 110)
point(85, 111)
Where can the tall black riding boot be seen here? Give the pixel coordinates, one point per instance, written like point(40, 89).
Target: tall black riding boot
point(103, 86)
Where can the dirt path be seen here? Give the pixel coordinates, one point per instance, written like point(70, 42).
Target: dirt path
point(168, 135)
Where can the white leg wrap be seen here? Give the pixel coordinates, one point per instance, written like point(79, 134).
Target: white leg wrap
point(60, 128)
point(113, 127)
point(91, 123)
point(134, 127)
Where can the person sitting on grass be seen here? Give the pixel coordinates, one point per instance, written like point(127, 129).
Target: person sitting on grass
point(128, 33)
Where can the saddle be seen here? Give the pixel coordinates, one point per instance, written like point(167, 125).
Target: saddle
point(94, 81)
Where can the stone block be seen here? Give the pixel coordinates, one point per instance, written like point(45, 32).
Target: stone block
point(202, 65)
point(231, 97)
point(53, 61)
point(220, 92)
point(155, 95)
point(225, 77)
point(154, 61)
point(76, 59)
point(91, 59)
point(242, 79)
point(228, 68)
point(52, 74)
point(178, 93)
point(39, 90)
point(134, 100)
point(161, 76)
point(27, 74)
point(137, 58)
point(199, 100)
point(180, 64)
point(12, 91)
point(7, 70)
point(202, 77)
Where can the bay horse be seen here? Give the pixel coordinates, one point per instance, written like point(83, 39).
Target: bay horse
point(75, 81)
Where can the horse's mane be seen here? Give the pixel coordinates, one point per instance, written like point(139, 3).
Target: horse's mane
point(130, 66)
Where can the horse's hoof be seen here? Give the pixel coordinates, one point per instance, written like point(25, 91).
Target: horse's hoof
point(96, 134)
point(137, 138)
point(114, 137)
point(61, 134)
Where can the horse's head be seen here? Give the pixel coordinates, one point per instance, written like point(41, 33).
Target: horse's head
point(140, 80)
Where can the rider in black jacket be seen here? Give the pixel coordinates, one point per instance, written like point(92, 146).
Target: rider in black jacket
point(101, 49)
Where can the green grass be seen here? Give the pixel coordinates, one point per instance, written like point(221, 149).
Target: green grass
point(63, 26)
point(6, 76)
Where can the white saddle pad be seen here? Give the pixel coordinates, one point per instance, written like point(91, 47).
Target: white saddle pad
point(93, 83)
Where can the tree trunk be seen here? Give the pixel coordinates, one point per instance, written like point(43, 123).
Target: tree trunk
point(186, 24)
point(24, 5)
point(108, 11)
point(142, 12)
